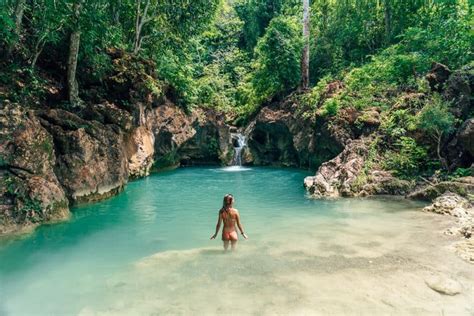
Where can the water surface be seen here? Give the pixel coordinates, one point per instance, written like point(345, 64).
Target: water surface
point(147, 251)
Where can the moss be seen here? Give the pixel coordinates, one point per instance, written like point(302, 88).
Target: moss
point(169, 160)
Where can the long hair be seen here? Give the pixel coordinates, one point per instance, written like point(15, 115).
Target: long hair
point(227, 203)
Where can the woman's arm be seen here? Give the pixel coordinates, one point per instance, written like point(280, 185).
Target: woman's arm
point(218, 226)
point(240, 226)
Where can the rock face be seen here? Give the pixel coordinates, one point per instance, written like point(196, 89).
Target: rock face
point(459, 89)
point(51, 158)
point(278, 136)
point(347, 175)
point(30, 192)
point(140, 151)
point(198, 138)
point(91, 162)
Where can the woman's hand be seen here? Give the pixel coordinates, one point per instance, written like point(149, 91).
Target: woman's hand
point(213, 236)
point(245, 236)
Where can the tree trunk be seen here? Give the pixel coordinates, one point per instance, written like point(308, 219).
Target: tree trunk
point(18, 15)
point(305, 54)
point(388, 20)
point(74, 42)
point(141, 19)
point(442, 161)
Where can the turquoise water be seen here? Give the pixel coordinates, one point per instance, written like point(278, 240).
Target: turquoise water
point(148, 251)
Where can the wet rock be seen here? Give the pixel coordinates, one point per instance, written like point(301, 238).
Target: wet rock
point(443, 285)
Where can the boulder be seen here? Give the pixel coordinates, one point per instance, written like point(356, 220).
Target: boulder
point(449, 204)
point(443, 285)
point(348, 174)
point(437, 76)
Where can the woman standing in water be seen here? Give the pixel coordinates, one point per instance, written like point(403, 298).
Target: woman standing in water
point(230, 216)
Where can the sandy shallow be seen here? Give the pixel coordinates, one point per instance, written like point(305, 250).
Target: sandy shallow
point(378, 266)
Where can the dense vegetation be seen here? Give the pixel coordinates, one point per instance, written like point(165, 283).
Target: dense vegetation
point(239, 55)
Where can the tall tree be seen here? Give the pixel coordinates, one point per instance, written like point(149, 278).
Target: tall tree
point(18, 17)
point(388, 20)
point(305, 55)
point(74, 42)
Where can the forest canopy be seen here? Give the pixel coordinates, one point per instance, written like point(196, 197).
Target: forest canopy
point(235, 55)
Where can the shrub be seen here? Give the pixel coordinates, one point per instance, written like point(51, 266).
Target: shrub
point(407, 159)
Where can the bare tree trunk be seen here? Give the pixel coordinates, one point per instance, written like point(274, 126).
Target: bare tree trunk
point(74, 42)
point(439, 138)
point(305, 54)
point(388, 20)
point(18, 15)
point(116, 12)
point(141, 19)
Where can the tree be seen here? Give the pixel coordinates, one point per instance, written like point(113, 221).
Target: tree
point(305, 54)
point(436, 120)
point(278, 58)
point(18, 17)
point(74, 42)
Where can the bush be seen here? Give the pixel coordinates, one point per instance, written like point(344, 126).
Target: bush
point(407, 159)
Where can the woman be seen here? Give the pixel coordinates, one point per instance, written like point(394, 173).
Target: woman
point(230, 216)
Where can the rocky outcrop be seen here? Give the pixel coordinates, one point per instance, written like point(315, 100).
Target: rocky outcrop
point(91, 162)
point(30, 192)
point(462, 209)
point(278, 135)
point(140, 151)
point(352, 174)
point(459, 90)
point(437, 76)
point(460, 150)
point(428, 191)
point(201, 137)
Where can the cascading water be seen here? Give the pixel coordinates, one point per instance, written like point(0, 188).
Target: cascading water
point(239, 144)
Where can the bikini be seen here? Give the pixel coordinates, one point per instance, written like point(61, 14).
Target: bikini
point(228, 235)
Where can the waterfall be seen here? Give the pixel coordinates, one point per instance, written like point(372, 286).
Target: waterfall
point(239, 142)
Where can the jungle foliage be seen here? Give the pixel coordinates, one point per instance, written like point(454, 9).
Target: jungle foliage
point(239, 55)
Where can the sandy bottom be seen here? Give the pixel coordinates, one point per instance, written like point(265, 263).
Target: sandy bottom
point(345, 266)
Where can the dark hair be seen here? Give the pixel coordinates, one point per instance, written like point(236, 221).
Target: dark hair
point(227, 203)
